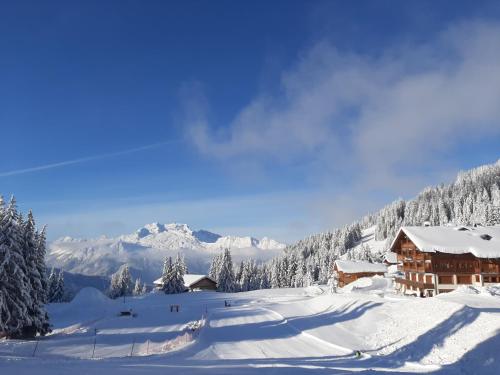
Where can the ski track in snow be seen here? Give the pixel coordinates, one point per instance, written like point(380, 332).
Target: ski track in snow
point(284, 331)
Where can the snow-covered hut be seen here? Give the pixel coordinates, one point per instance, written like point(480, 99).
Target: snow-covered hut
point(194, 282)
point(439, 259)
point(349, 270)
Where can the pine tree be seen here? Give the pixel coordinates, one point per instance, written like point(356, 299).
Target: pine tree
point(60, 290)
point(40, 244)
point(52, 286)
point(173, 275)
point(121, 283)
point(215, 267)
point(226, 279)
point(114, 286)
point(239, 275)
point(265, 283)
point(180, 270)
point(125, 281)
point(137, 287)
point(29, 243)
point(167, 276)
point(15, 288)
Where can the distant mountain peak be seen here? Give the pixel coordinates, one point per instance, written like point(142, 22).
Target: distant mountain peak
point(145, 249)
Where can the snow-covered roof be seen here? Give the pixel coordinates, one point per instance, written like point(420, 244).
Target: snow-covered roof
point(483, 242)
point(391, 257)
point(189, 279)
point(350, 266)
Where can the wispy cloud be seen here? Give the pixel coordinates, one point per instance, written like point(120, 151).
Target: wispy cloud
point(86, 159)
point(380, 118)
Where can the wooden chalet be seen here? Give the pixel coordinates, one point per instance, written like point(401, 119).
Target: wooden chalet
point(349, 271)
point(194, 283)
point(439, 259)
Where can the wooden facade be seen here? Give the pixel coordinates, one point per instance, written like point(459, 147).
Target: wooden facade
point(345, 277)
point(204, 284)
point(431, 273)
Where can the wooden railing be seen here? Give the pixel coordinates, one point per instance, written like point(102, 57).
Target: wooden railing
point(415, 284)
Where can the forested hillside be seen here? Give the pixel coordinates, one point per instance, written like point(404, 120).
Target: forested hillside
point(473, 199)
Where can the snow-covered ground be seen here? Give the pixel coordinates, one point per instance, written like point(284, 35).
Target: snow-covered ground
point(279, 331)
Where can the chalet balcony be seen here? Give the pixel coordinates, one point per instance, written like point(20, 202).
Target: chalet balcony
point(414, 284)
point(412, 267)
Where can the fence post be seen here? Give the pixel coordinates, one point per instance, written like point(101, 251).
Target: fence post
point(93, 349)
point(132, 349)
point(36, 347)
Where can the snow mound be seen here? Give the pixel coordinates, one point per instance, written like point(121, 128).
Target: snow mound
point(491, 290)
point(90, 297)
point(370, 285)
point(314, 290)
point(88, 306)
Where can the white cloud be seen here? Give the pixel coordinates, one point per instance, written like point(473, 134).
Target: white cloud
point(376, 115)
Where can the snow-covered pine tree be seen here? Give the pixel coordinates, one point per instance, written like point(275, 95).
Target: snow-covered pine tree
point(215, 267)
point(167, 276)
point(125, 281)
point(265, 283)
point(178, 275)
point(37, 293)
point(226, 279)
point(333, 282)
point(275, 265)
point(59, 291)
point(40, 244)
point(173, 275)
point(246, 275)
point(114, 286)
point(52, 286)
point(239, 274)
point(137, 287)
point(121, 283)
point(15, 289)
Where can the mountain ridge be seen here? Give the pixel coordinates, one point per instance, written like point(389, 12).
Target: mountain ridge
point(145, 249)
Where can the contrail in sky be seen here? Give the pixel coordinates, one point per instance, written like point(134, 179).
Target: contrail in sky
point(81, 160)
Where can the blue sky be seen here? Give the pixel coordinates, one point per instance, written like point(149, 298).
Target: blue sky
point(261, 118)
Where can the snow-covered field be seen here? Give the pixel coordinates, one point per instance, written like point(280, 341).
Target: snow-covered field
point(278, 331)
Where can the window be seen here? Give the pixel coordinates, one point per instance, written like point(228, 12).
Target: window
point(464, 279)
point(445, 279)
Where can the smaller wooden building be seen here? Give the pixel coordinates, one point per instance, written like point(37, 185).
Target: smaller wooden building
point(194, 283)
point(349, 270)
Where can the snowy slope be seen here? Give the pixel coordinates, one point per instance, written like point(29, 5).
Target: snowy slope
point(145, 250)
point(374, 247)
point(279, 331)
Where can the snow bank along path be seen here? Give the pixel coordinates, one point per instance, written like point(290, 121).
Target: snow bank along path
point(282, 331)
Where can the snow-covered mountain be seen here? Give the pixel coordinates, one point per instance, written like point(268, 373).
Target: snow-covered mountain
point(145, 250)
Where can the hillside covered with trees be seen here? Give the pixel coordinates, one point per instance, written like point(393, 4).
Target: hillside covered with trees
point(472, 199)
